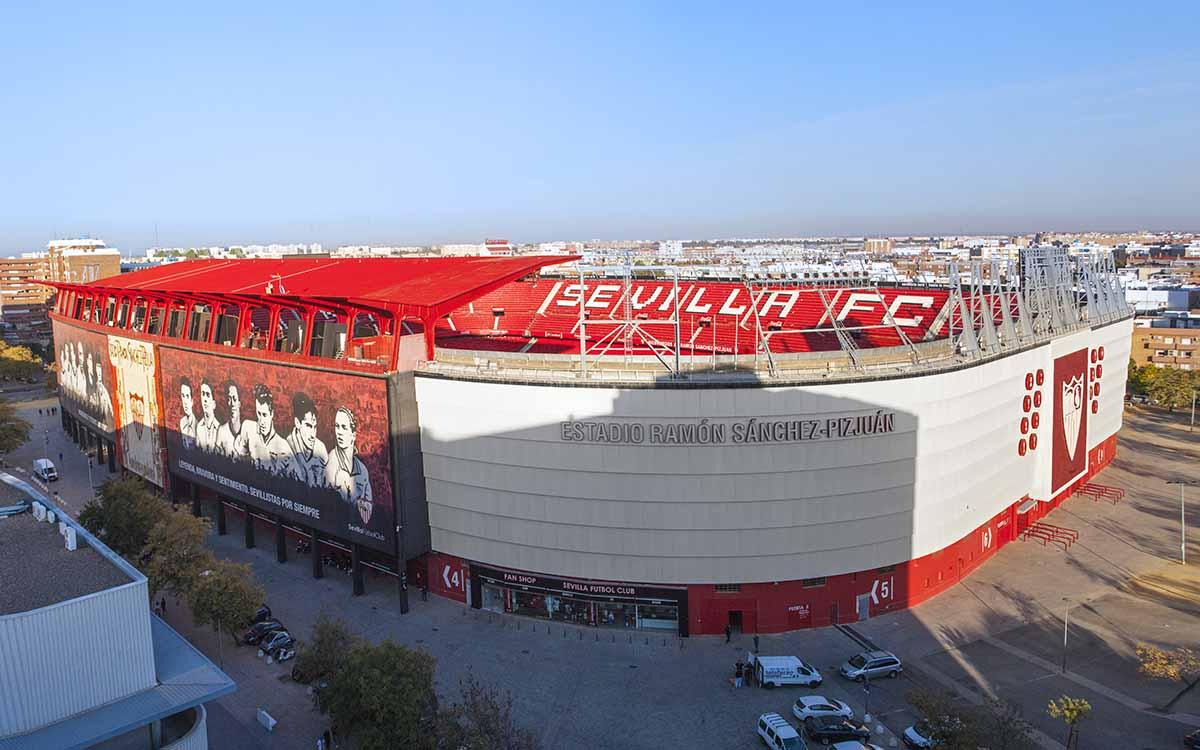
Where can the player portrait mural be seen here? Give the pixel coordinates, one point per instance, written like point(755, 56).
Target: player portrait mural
point(307, 444)
point(83, 376)
point(137, 407)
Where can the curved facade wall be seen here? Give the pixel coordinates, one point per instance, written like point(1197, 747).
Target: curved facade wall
point(621, 484)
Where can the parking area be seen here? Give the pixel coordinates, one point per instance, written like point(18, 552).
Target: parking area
point(998, 632)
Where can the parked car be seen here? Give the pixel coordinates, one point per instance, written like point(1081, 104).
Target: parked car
point(871, 664)
point(777, 734)
point(1192, 740)
point(259, 630)
point(829, 729)
point(917, 737)
point(819, 705)
point(263, 614)
point(275, 641)
point(284, 653)
point(855, 745)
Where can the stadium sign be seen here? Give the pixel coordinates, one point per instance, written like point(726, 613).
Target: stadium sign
point(728, 432)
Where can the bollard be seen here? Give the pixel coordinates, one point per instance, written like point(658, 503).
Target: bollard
point(647, 640)
point(581, 635)
point(597, 637)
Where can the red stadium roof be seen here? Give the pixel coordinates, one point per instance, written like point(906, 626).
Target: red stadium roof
point(421, 287)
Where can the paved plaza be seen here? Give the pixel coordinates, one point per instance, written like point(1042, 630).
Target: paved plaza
point(997, 633)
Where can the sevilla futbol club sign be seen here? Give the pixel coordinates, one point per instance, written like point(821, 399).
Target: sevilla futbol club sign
point(1069, 390)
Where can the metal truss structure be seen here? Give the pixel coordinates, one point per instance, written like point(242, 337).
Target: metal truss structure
point(992, 306)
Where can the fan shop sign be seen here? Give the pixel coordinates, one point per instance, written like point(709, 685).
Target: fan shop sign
point(592, 589)
point(729, 432)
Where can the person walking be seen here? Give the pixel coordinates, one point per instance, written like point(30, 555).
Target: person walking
point(756, 643)
point(728, 632)
point(737, 674)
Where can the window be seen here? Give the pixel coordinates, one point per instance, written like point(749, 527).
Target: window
point(813, 583)
point(154, 327)
point(123, 313)
point(139, 316)
point(110, 311)
point(255, 334)
point(328, 337)
point(289, 336)
point(87, 309)
point(199, 322)
point(728, 588)
point(227, 324)
point(175, 320)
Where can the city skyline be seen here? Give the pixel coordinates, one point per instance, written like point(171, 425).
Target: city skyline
point(152, 127)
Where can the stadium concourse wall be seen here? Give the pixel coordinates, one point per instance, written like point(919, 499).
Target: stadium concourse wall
point(790, 506)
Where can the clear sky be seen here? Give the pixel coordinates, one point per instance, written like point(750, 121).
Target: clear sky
point(389, 123)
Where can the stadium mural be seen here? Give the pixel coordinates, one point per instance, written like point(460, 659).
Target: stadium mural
point(309, 445)
point(138, 409)
point(83, 376)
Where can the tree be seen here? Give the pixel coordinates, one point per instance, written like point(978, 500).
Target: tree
point(122, 515)
point(324, 654)
point(1001, 725)
point(19, 363)
point(175, 553)
point(484, 721)
point(14, 431)
point(384, 698)
point(1072, 711)
point(1180, 665)
point(1171, 388)
point(225, 596)
point(949, 722)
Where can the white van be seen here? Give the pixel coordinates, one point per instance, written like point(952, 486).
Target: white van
point(773, 671)
point(778, 734)
point(44, 470)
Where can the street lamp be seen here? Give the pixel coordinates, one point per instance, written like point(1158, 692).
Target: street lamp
point(1182, 518)
point(1066, 619)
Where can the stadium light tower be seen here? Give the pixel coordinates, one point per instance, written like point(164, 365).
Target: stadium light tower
point(1182, 517)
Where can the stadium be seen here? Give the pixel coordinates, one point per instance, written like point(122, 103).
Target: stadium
point(620, 447)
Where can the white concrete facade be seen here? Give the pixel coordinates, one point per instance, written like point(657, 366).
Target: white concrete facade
point(506, 488)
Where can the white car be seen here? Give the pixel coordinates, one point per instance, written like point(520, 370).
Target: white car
point(855, 745)
point(819, 705)
point(917, 737)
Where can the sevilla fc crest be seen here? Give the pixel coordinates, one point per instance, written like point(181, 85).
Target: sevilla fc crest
point(1072, 412)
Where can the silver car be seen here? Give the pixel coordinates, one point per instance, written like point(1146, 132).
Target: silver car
point(870, 664)
point(818, 705)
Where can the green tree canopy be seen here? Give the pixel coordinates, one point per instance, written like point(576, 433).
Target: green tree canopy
point(122, 515)
point(1072, 711)
point(484, 721)
point(14, 431)
point(1171, 388)
point(325, 653)
point(175, 552)
point(18, 362)
point(384, 698)
point(225, 596)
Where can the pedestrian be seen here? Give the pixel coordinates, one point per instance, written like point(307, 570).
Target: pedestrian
point(39, 412)
point(737, 674)
point(60, 458)
point(728, 632)
point(756, 643)
point(162, 606)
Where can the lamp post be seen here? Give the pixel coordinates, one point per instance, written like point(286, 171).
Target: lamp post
point(1066, 619)
point(1182, 518)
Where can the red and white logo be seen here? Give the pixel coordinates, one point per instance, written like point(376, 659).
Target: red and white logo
point(1072, 413)
point(1069, 389)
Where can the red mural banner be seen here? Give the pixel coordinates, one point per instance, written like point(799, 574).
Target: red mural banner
point(309, 445)
point(1069, 391)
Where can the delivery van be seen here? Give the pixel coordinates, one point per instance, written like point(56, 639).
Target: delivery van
point(773, 671)
point(44, 470)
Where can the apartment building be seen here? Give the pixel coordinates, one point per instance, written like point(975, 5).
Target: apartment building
point(24, 300)
point(1169, 341)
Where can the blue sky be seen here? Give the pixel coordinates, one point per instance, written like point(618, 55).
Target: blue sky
point(386, 123)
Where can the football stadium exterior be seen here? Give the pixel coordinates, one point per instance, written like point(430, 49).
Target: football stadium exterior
point(634, 452)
